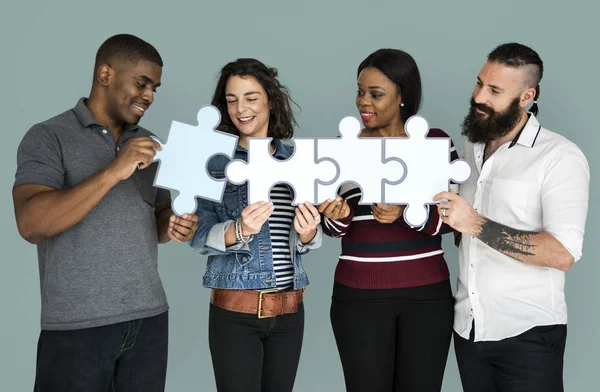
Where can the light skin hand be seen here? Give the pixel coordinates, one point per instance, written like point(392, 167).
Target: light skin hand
point(532, 247)
point(253, 218)
point(306, 221)
point(459, 213)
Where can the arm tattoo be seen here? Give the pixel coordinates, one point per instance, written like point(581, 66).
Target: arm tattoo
point(506, 239)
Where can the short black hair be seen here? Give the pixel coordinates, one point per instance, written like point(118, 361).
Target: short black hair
point(401, 68)
point(126, 47)
point(517, 55)
point(281, 117)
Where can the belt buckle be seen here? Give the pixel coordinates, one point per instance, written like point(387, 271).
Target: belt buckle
point(260, 300)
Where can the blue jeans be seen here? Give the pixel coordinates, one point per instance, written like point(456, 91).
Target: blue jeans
point(129, 356)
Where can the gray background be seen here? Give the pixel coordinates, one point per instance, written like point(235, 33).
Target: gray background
point(48, 50)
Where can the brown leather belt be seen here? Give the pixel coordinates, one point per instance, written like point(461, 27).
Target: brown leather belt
point(266, 303)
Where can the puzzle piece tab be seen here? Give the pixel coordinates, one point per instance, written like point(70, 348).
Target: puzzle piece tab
point(429, 169)
point(359, 160)
point(262, 171)
point(183, 160)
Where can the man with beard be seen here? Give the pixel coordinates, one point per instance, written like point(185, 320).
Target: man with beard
point(522, 217)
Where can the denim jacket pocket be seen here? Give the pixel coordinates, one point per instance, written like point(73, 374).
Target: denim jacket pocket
point(242, 260)
point(233, 201)
point(237, 263)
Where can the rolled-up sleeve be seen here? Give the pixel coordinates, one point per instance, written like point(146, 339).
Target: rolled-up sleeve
point(313, 244)
point(565, 196)
point(210, 236)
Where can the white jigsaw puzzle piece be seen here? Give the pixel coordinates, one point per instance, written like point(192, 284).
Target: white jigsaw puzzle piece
point(183, 160)
point(301, 171)
point(359, 160)
point(429, 170)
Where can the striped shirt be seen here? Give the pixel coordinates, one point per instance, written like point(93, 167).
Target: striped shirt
point(280, 223)
point(393, 255)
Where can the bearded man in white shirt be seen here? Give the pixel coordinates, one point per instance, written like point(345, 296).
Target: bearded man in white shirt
point(522, 217)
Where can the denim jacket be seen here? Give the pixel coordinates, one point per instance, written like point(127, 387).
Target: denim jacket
point(243, 266)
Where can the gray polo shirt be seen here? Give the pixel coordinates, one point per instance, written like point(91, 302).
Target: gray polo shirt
point(103, 270)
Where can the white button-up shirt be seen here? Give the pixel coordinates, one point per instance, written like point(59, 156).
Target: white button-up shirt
point(538, 182)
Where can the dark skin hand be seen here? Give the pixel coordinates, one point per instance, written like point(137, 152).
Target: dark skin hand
point(173, 227)
point(43, 212)
point(387, 213)
point(335, 209)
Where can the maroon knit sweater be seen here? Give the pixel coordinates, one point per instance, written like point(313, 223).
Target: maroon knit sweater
point(394, 255)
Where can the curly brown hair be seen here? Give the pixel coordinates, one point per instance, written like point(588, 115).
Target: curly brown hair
point(281, 117)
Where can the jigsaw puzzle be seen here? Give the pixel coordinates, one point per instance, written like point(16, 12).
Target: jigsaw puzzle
point(359, 160)
point(429, 169)
point(301, 171)
point(183, 159)
point(407, 171)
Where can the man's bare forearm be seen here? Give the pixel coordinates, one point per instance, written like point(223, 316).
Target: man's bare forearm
point(532, 247)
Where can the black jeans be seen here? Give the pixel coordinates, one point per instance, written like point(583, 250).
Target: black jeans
point(129, 356)
point(393, 339)
point(529, 362)
point(255, 355)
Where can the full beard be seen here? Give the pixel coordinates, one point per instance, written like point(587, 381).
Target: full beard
point(497, 124)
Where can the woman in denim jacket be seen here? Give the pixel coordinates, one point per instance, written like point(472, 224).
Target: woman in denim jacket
point(256, 319)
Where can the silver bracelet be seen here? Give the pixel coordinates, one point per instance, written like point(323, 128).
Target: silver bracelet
point(236, 230)
point(239, 237)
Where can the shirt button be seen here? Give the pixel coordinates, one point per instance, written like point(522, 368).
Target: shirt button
point(104, 131)
point(244, 258)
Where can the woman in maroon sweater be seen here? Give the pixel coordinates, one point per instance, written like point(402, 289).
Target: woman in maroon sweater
point(392, 308)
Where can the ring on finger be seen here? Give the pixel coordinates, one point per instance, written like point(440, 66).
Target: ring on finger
point(444, 212)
